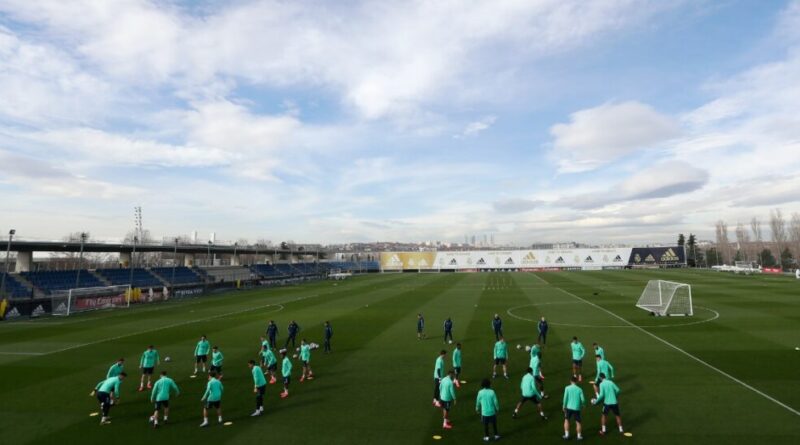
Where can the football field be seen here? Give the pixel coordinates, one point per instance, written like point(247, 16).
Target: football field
point(729, 374)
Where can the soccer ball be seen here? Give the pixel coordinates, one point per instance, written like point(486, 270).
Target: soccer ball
point(527, 349)
point(451, 342)
point(167, 359)
point(294, 356)
point(519, 346)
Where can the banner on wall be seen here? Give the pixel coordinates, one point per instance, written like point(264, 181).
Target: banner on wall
point(592, 259)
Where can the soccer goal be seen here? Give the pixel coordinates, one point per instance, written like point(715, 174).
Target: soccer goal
point(91, 298)
point(666, 298)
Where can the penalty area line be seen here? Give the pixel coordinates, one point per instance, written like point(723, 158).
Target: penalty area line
point(697, 359)
point(21, 353)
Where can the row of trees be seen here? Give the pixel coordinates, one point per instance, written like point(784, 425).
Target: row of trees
point(781, 248)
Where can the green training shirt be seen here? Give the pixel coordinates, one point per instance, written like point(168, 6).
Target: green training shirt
point(606, 368)
point(600, 351)
point(305, 353)
point(608, 392)
point(457, 358)
point(202, 348)
point(573, 397)
point(217, 358)
point(109, 385)
point(149, 358)
point(258, 377)
point(213, 391)
point(447, 390)
point(286, 367)
point(269, 357)
point(500, 349)
point(535, 349)
point(486, 403)
point(162, 388)
point(577, 350)
point(438, 369)
point(114, 370)
point(536, 366)
point(528, 386)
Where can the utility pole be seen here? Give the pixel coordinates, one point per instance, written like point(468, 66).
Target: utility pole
point(8, 256)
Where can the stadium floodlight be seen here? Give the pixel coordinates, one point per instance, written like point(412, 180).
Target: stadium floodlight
point(662, 297)
point(131, 263)
point(8, 257)
point(174, 262)
point(84, 235)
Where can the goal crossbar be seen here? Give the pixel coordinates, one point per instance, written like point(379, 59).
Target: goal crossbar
point(662, 297)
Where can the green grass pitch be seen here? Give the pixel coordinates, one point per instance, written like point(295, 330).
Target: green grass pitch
point(727, 375)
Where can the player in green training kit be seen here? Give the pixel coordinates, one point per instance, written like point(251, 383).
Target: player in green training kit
point(577, 358)
point(269, 361)
point(447, 395)
point(160, 396)
point(216, 361)
point(212, 398)
point(147, 364)
point(608, 395)
point(572, 405)
point(115, 370)
point(604, 368)
point(500, 357)
point(599, 351)
point(107, 391)
point(529, 392)
point(201, 353)
point(259, 387)
point(286, 372)
point(457, 364)
point(487, 406)
point(438, 375)
point(305, 357)
point(538, 375)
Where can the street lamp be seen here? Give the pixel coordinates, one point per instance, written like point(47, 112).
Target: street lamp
point(133, 260)
point(8, 256)
point(174, 262)
point(80, 261)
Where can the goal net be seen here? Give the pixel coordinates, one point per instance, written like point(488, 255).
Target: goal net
point(666, 298)
point(91, 298)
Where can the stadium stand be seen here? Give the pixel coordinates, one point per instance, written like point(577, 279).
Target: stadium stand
point(351, 266)
point(15, 289)
point(49, 281)
point(230, 273)
point(141, 277)
point(183, 275)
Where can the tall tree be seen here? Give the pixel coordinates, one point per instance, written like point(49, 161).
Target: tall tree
point(778, 227)
point(742, 239)
point(681, 239)
point(787, 260)
point(758, 237)
point(794, 233)
point(723, 243)
point(767, 258)
point(691, 250)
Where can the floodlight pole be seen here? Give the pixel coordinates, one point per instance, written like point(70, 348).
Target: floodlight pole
point(80, 261)
point(174, 262)
point(8, 256)
point(255, 258)
point(235, 246)
point(208, 257)
point(133, 260)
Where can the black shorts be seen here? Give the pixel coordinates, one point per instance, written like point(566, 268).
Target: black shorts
point(578, 362)
point(161, 404)
point(216, 404)
point(273, 367)
point(598, 381)
point(305, 363)
point(570, 413)
point(200, 358)
point(447, 405)
point(488, 420)
point(533, 399)
point(538, 380)
point(217, 369)
point(261, 389)
point(147, 371)
point(419, 330)
point(613, 408)
point(457, 370)
point(499, 361)
point(103, 397)
point(287, 380)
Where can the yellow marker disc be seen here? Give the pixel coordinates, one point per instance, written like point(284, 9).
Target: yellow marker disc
point(192, 376)
point(437, 437)
point(463, 382)
point(591, 382)
point(628, 434)
point(94, 414)
point(228, 423)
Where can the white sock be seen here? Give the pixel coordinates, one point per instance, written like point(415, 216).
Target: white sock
point(579, 436)
point(620, 429)
point(603, 428)
point(205, 419)
point(220, 419)
point(165, 418)
point(566, 435)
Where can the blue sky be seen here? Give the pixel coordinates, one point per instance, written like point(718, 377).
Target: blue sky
point(622, 121)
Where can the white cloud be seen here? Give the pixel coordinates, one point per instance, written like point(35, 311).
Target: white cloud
point(515, 205)
point(599, 135)
point(473, 128)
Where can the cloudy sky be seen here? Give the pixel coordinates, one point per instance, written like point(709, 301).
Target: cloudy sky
point(536, 120)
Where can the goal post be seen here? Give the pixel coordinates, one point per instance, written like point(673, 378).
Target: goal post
point(666, 298)
point(84, 299)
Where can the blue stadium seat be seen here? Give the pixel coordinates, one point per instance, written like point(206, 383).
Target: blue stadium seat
point(55, 280)
point(141, 277)
point(183, 275)
point(15, 289)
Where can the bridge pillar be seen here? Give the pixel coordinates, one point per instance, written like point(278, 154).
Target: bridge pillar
point(24, 262)
point(236, 260)
point(188, 259)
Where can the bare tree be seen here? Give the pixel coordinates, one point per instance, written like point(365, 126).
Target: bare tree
point(778, 227)
point(142, 259)
point(723, 243)
point(758, 237)
point(794, 233)
point(742, 239)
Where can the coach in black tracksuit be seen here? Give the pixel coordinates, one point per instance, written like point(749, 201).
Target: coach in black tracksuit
point(448, 330)
point(293, 329)
point(497, 325)
point(272, 333)
point(328, 335)
point(543, 327)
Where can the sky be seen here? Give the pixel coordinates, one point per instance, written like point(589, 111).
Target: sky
point(618, 121)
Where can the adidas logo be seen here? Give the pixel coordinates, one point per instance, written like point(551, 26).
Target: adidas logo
point(13, 313)
point(395, 261)
point(453, 262)
point(618, 258)
point(530, 258)
point(61, 308)
point(559, 260)
point(588, 259)
point(509, 261)
point(481, 262)
point(650, 259)
point(669, 255)
point(38, 311)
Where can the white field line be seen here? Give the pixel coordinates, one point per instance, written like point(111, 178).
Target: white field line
point(21, 353)
point(540, 278)
point(160, 328)
point(698, 360)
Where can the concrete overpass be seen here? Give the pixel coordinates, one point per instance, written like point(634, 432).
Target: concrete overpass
point(25, 250)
